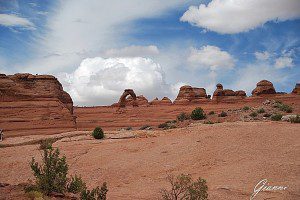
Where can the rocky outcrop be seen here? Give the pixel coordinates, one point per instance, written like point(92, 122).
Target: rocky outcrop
point(122, 101)
point(188, 94)
point(140, 100)
point(264, 87)
point(34, 102)
point(227, 95)
point(163, 101)
point(296, 90)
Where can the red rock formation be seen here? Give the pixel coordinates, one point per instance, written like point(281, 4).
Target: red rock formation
point(221, 94)
point(264, 87)
point(188, 94)
point(127, 92)
point(296, 90)
point(34, 102)
point(163, 101)
point(140, 100)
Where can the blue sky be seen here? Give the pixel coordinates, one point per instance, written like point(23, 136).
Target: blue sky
point(153, 47)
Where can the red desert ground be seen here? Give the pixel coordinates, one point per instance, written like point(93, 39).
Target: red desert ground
point(242, 146)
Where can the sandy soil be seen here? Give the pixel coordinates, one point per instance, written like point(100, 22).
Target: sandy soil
point(232, 157)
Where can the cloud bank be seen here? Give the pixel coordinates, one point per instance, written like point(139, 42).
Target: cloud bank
point(235, 16)
point(100, 81)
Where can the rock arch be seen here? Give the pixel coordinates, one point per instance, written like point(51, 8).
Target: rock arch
point(122, 100)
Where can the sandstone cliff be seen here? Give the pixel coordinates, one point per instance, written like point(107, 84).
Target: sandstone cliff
point(33, 104)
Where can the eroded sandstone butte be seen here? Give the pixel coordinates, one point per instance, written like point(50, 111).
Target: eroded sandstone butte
point(264, 87)
point(296, 90)
point(34, 104)
point(188, 94)
point(227, 95)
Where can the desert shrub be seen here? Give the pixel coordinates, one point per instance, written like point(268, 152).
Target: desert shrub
point(295, 119)
point(183, 116)
point(128, 128)
point(276, 117)
point(286, 108)
point(145, 127)
point(223, 114)
point(51, 176)
point(47, 143)
point(283, 107)
point(253, 114)
point(95, 194)
point(198, 114)
point(267, 115)
point(261, 110)
point(183, 187)
point(98, 133)
point(211, 113)
point(167, 125)
point(208, 122)
point(76, 185)
point(35, 195)
point(246, 108)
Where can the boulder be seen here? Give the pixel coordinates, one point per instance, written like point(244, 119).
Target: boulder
point(264, 87)
point(35, 102)
point(287, 118)
point(296, 90)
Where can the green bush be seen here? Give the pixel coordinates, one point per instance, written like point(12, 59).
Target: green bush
point(76, 185)
point(183, 116)
point(246, 108)
point(253, 114)
point(283, 107)
point(98, 133)
point(276, 117)
point(198, 114)
point(211, 113)
point(261, 110)
point(95, 194)
point(295, 119)
point(223, 114)
point(183, 187)
point(51, 176)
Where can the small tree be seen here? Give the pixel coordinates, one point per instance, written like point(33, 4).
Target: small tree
point(183, 187)
point(198, 114)
point(98, 133)
point(51, 176)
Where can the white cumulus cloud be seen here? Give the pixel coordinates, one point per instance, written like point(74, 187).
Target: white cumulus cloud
point(235, 16)
point(100, 81)
point(15, 21)
point(283, 62)
point(211, 57)
point(262, 55)
point(133, 51)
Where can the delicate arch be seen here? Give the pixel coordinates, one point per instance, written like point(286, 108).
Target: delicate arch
point(122, 101)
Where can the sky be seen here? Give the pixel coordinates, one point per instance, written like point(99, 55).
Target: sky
point(98, 48)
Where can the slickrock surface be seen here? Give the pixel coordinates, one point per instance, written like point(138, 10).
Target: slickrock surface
point(34, 104)
point(232, 157)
